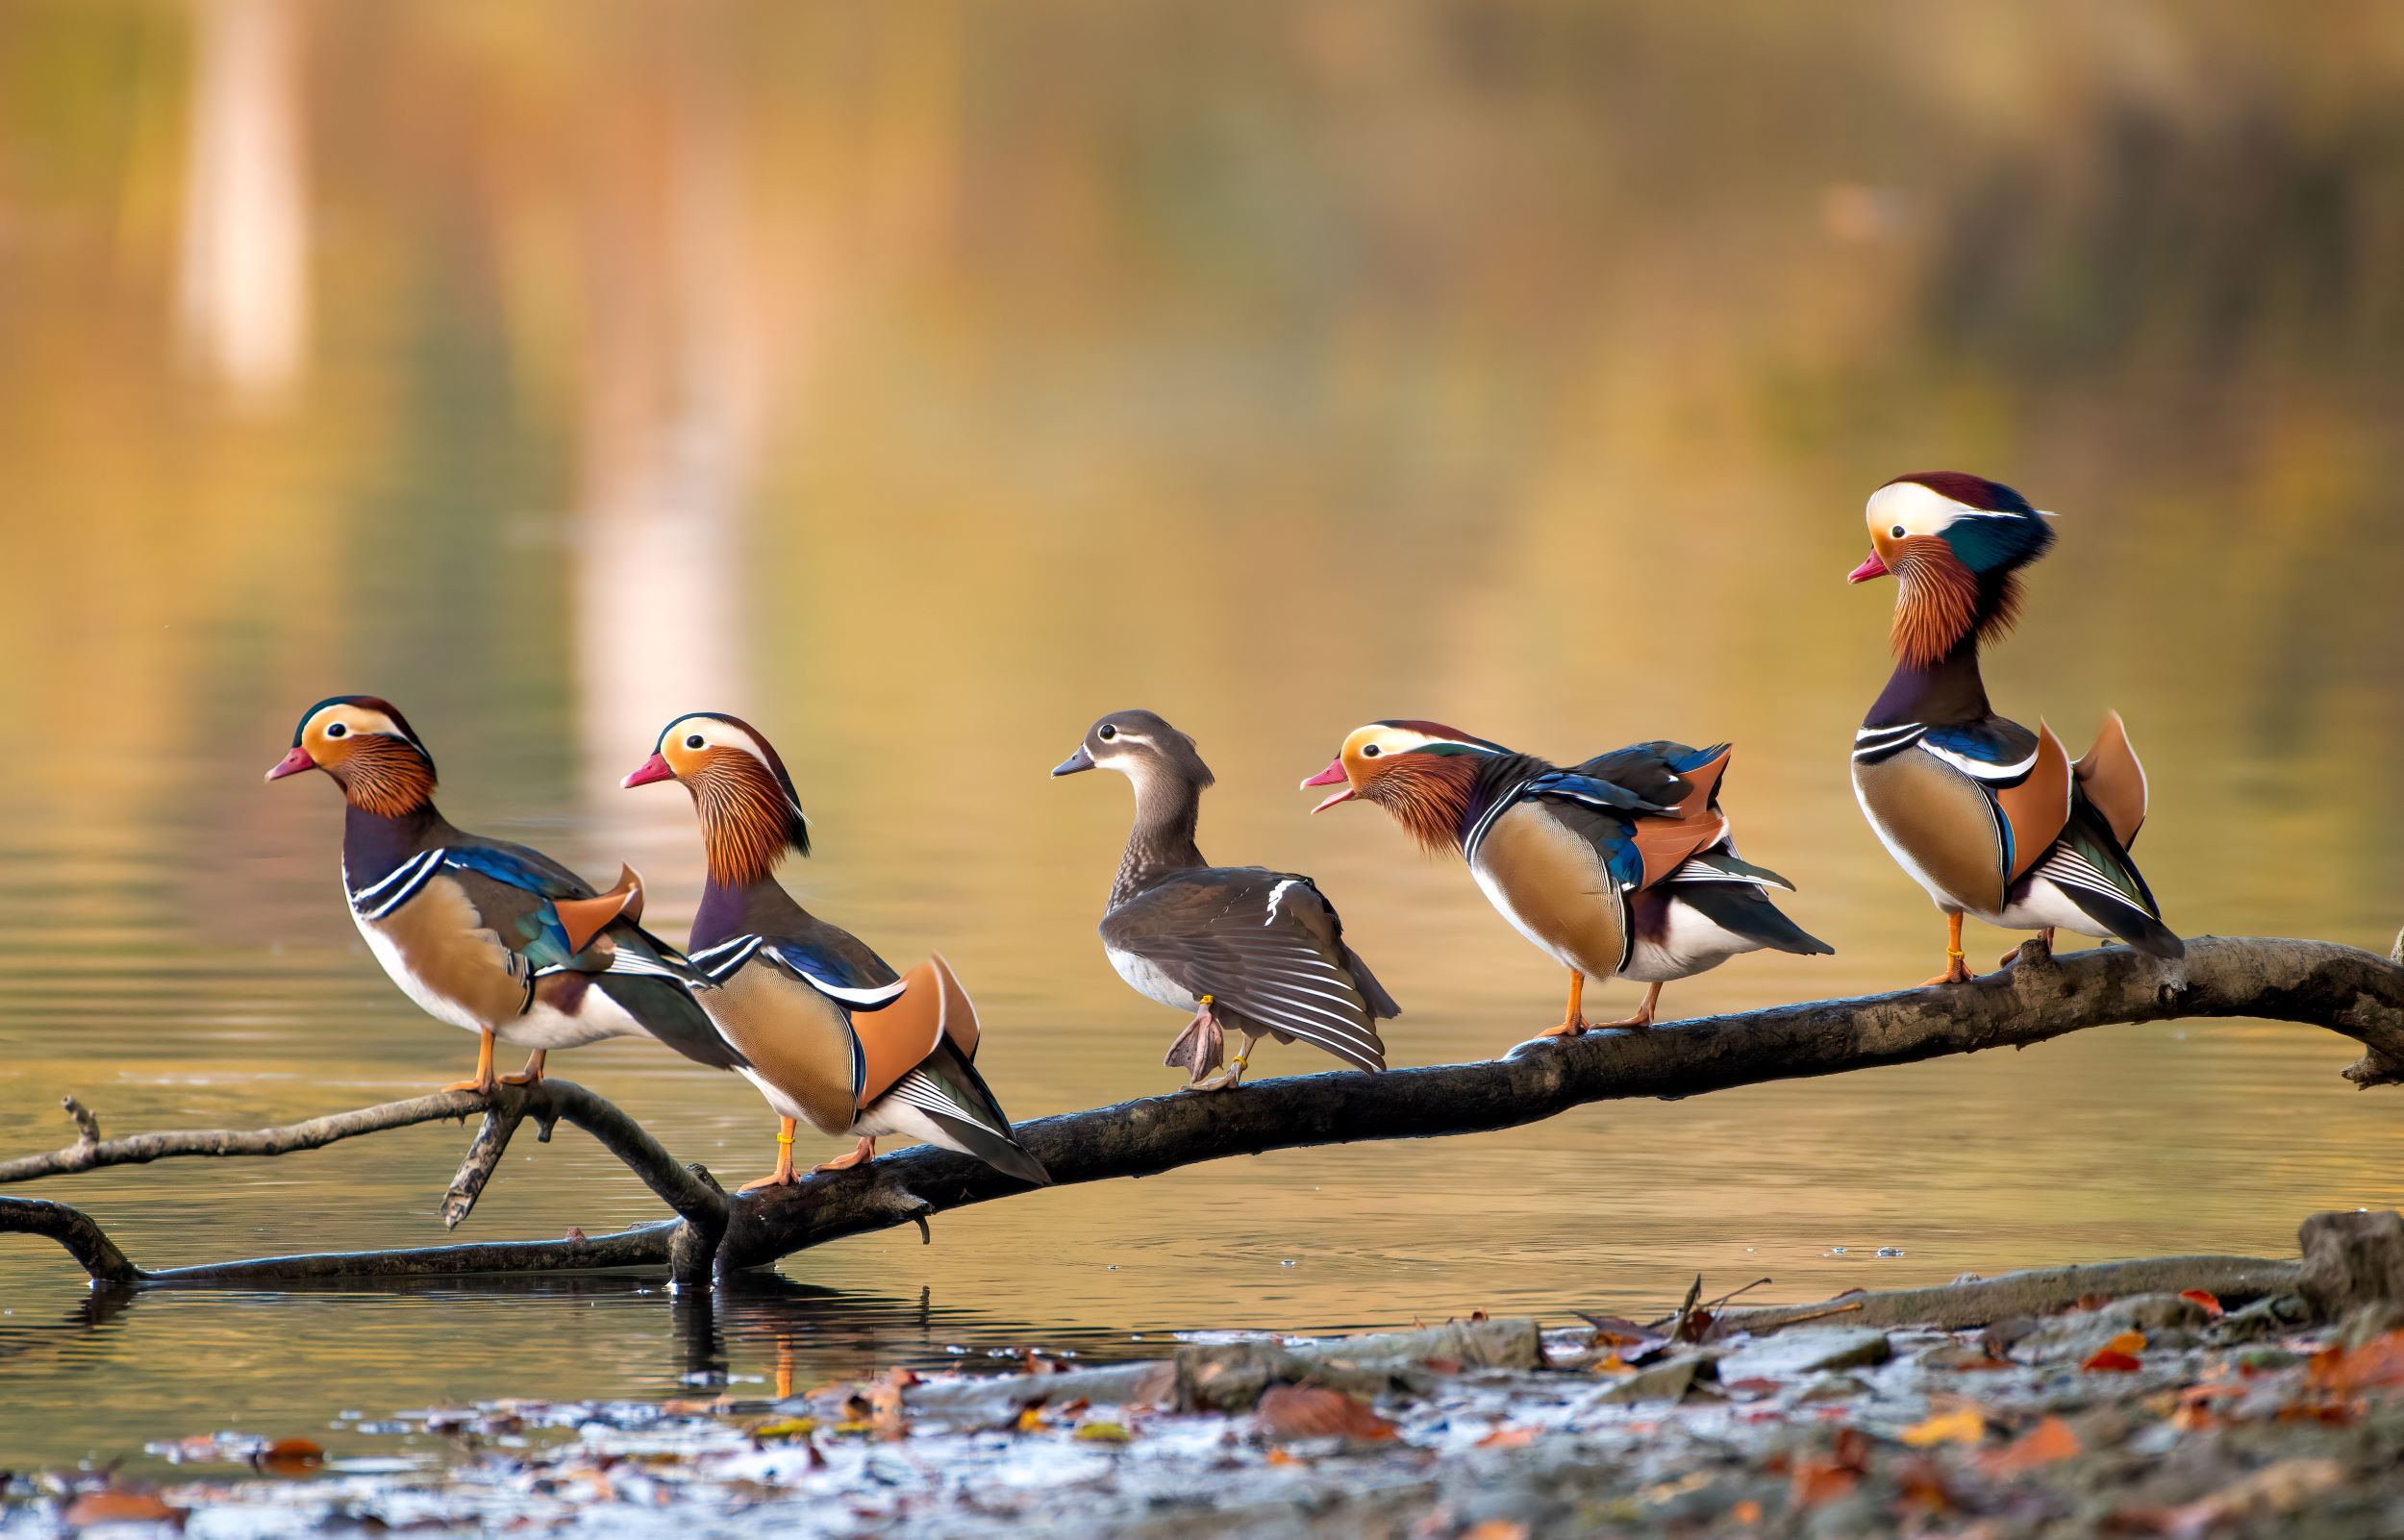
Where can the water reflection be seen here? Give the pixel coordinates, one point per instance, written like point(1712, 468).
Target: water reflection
point(921, 386)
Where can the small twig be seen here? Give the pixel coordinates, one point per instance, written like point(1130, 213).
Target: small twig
point(483, 1155)
point(86, 1126)
point(1821, 1316)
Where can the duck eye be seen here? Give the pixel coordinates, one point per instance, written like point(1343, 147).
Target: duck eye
point(1371, 752)
point(1107, 733)
point(336, 731)
point(692, 740)
point(1896, 532)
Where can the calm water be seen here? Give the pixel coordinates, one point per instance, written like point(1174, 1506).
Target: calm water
point(920, 390)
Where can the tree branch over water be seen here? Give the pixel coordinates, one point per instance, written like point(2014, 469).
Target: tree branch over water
point(2040, 996)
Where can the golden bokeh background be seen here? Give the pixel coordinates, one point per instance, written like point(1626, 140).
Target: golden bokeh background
point(921, 382)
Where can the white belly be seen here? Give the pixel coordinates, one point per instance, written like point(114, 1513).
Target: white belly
point(1148, 980)
point(597, 1017)
point(1691, 943)
point(2044, 903)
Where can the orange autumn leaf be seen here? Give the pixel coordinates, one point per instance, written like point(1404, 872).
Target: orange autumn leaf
point(2210, 1300)
point(120, 1507)
point(1497, 1530)
point(1278, 1456)
point(1818, 1481)
point(2374, 1365)
point(1507, 1438)
point(2049, 1441)
point(1963, 1426)
point(287, 1455)
point(1746, 1512)
point(1290, 1412)
point(2118, 1355)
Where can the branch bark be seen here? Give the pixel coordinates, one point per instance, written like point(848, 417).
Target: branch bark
point(2040, 997)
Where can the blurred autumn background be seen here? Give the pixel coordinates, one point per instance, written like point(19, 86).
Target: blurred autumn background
point(923, 382)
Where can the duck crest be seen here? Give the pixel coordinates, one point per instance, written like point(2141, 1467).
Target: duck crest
point(747, 819)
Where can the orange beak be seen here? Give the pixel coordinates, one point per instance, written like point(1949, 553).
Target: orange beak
point(292, 765)
point(652, 769)
point(1333, 774)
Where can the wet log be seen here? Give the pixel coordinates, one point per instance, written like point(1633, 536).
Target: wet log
point(2040, 997)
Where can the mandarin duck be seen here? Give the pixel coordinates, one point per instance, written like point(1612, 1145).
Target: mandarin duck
point(482, 934)
point(1991, 818)
point(1245, 947)
point(1619, 866)
point(830, 1033)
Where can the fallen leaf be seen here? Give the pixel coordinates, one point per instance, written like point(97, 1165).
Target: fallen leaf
point(1497, 1530)
point(2049, 1441)
point(120, 1507)
point(287, 1455)
point(1031, 1420)
point(2112, 1360)
point(1818, 1481)
point(1507, 1438)
point(2130, 1342)
point(1278, 1456)
point(1290, 1412)
point(1103, 1433)
point(2346, 1371)
point(1754, 1386)
point(2210, 1300)
point(1746, 1512)
point(785, 1427)
point(1968, 1425)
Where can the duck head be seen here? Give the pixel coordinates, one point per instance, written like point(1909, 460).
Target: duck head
point(368, 748)
point(1424, 773)
point(1142, 747)
point(750, 814)
point(1955, 543)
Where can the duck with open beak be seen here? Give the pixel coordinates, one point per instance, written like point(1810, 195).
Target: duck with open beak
point(1622, 866)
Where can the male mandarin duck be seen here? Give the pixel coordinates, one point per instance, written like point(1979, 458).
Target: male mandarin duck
point(1245, 947)
point(1621, 865)
point(830, 1035)
point(480, 934)
point(1989, 817)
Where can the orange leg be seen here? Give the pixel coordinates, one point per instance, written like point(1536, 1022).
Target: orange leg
point(1572, 1020)
point(484, 1081)
point(1643, 1016)
point(1956, 970)
point(531, 1073)
point(784, 1175)
point(865, 1150)
point(2045, 936)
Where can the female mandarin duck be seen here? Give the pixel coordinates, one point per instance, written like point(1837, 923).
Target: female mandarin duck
point(1238, 946)
point(831, 1034)
point(1621, 865)
point(1988, 816)
point(490, 936)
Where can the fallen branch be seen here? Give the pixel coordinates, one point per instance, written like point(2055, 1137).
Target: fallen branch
point(2040, 996)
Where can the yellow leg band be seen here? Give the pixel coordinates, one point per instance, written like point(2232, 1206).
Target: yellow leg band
point(783, 1138)
point(1236, 1062)
point(1954, 954)
point(1208, 1001)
